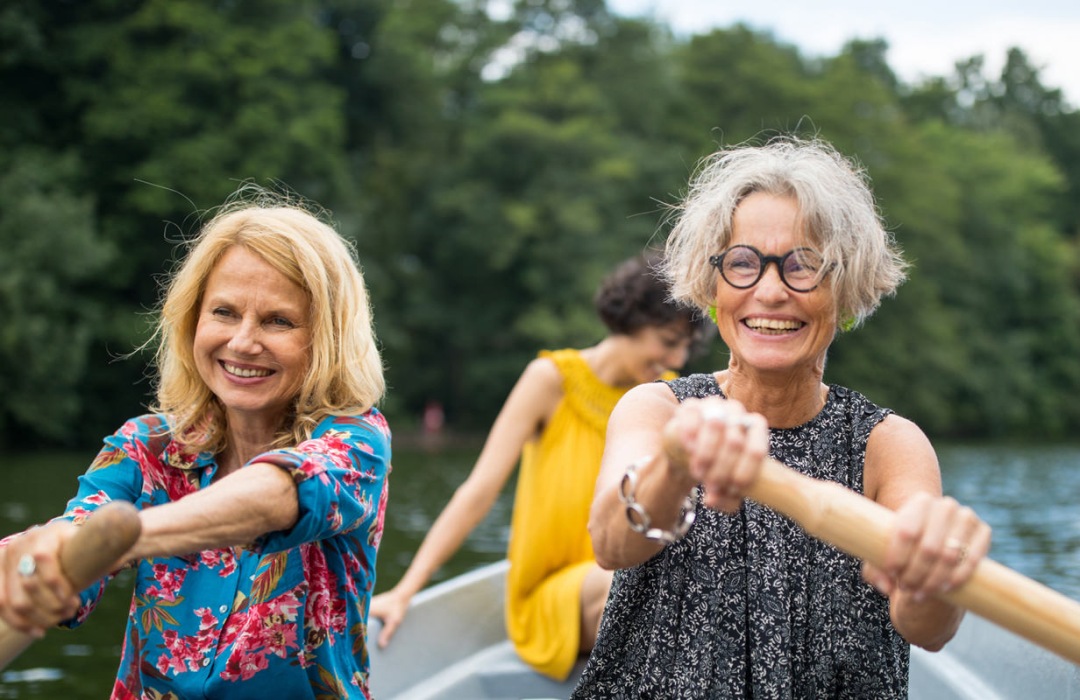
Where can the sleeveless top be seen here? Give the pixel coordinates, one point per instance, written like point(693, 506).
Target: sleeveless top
point(747, 605)
point(550, 550)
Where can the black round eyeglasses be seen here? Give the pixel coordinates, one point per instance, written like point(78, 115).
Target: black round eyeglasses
point(742, 266)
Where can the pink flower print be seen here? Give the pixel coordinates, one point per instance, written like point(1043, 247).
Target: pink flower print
point(187, 652)
point(224, 558)
point(262, 630)
point(242, 667)
point(325, 609)
point(169, 581)
point(97, 499)
point(176, 457)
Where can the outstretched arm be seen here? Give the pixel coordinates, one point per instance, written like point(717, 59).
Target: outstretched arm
point(527, 408)
point(242, 506)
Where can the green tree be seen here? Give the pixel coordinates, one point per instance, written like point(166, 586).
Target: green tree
point(52, 258)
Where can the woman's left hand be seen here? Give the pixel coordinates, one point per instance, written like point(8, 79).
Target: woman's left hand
point(934, 547)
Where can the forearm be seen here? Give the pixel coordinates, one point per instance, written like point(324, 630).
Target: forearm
point(929, 624)
point(459, 518)
point(243, 506)
point(661, 491)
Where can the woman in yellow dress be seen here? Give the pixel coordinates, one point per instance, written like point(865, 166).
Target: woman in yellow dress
point(554, 420)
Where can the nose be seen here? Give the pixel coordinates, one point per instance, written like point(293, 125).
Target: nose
point(771, 287)
point(245, 341)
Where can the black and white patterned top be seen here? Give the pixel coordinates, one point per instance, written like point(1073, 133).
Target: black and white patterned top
point(749, 606)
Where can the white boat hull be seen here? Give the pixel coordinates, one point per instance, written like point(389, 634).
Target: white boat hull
point(453, 646)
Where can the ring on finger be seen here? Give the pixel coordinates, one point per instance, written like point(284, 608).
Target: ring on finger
point(714, 413)
point(26, 566)
point(957, 546)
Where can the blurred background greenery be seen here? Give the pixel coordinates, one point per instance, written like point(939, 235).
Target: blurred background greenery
point(490, 171)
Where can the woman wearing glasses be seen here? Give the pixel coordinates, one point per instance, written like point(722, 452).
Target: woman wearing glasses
point(717, 596)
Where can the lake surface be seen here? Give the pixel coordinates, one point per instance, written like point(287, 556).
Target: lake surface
point(1028, 494)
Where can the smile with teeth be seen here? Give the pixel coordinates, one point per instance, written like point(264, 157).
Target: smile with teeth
point(244, 372)
point(773, 326)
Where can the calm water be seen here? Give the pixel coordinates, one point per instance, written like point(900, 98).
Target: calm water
point(1028, 494)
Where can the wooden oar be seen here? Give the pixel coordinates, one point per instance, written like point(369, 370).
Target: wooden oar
point(87, 556)
point(860, 527)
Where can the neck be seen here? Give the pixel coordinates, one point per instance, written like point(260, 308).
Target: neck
point(786, 400)
point(605, 360)
point(246, 439)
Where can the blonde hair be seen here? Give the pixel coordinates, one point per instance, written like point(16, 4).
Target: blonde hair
point(346, 373)
point(836, 207)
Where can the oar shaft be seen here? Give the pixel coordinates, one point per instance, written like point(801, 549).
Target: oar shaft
point(860, 527)
point(87, 556)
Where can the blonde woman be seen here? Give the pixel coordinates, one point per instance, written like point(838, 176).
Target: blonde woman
point(261, 475)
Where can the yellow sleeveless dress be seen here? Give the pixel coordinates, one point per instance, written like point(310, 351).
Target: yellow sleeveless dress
point(550, 551)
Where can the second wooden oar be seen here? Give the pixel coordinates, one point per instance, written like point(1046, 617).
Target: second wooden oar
point(94, 549)
point(860, 527)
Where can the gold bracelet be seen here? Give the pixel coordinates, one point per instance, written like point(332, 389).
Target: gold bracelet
point(638, 517)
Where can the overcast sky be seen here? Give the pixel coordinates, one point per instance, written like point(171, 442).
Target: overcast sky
point(926, 37)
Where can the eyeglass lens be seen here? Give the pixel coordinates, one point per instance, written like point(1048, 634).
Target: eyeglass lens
point(742, 266)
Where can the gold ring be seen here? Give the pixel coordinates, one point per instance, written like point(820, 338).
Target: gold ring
point(959, 547)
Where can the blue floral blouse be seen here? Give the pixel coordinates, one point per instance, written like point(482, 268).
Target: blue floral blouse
point(283, 618)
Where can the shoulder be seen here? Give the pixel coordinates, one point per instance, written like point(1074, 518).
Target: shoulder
point(899, 461)
point(693, 386)
point(542, 381)
point(369, 430)
point(654, 395)
point(152, 430)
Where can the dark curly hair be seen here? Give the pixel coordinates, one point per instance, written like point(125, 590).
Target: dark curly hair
point(633, 296)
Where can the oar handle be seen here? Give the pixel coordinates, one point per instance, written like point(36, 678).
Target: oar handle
point(861, 527)
point(90, 554)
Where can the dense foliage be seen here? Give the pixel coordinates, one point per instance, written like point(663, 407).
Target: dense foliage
point(491, 168)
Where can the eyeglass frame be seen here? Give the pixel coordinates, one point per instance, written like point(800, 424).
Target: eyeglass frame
point(717, 261)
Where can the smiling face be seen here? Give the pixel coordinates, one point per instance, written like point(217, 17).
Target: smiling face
point(654, 350)
point(768, 327)
point(252, 341)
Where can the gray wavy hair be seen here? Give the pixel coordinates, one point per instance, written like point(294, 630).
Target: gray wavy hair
point(837, 209)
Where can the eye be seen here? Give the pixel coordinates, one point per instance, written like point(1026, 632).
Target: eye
point(221, 312)
point(281, 322)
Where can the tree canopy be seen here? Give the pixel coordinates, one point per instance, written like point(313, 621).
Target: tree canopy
point(491, 168)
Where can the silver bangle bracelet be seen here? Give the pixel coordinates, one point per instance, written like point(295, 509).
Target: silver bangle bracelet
point(638, 517)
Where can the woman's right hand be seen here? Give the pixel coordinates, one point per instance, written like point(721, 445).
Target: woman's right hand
point(722, 446)
point(32, 603)
point(390, 607)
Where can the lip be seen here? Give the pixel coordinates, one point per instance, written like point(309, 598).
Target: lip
point(773, 326)
point(235, 371)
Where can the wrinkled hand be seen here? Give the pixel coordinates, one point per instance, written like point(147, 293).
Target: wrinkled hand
point(390, 607)
point(934, 548)
point(723, 445)
point(34, 603)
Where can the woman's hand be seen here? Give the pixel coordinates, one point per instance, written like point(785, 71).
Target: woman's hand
point(722, 446)
point(390, 607)
point(934, 548)
point(34, 592)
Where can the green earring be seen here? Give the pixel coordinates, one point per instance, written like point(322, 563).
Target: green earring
point(712, 313)
point(848, 323)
